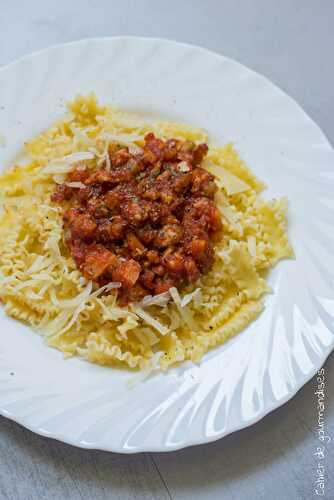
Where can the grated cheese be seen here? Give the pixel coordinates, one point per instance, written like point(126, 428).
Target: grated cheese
point(106, 288)
point(156, 300)
point(78, 185)
point(75, 301)
point(251, 244)
point(39, 263)
point(183, 310)
point(195, 296)
point(149, 319)
point(231, 183)
point(64, 165)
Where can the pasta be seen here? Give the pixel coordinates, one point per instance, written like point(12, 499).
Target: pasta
point(41, 286)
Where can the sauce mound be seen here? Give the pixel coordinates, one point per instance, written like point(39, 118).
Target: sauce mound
point(145, 219)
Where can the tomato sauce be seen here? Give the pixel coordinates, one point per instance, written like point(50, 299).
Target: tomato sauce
point(146, 220)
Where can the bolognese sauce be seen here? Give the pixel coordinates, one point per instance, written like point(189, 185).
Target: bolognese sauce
point(146, 220)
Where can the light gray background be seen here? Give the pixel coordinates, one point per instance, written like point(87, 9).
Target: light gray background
point(292, 43)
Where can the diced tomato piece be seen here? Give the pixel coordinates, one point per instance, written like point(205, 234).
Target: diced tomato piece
point(135, 212)
point(97, 207)
point(200, 180)
point(112, 199)
point(135, 246)
point(127, 272)
point(134, 294)
point(97, 261)
point(82, 194)
point(171, 149)
point(81, 225)
point(199, 152)
point(215, 219)
point(170, 234)
point(78, 175)
point(62, 193)
point(196, 248)
point(175, 263)
point(118, 225)
point(153, 257)
point(100, 176)
point(147, 279)
point(153, 149)
point(159, 270)
point(182, 181)
point(120, 157)
point(163, 285)
point(110, 230)
point(146, 234)
point(192, 270)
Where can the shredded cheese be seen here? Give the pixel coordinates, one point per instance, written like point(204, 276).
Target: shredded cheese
point(231, 183)
point(78, 185)
point(156, 300)
point(149, 319)
point(64, 165)
point(183, 309)
point(251, 243)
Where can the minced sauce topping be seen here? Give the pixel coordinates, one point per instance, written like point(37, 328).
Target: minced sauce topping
point(147, 220)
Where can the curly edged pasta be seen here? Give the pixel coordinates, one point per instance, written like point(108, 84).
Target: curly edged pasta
point(41, 286)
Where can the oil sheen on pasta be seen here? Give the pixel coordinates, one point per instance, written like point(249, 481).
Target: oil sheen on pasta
point(41, 285)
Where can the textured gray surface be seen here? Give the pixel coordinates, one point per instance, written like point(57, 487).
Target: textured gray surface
point(290, 42)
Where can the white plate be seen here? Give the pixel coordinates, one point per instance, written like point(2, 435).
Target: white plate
point(238, 383)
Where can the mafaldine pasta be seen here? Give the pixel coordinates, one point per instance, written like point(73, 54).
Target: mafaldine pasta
point(134, 243)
